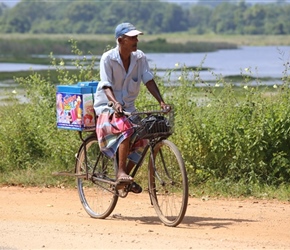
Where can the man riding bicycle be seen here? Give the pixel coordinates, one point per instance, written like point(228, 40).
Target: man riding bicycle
point(122, 69)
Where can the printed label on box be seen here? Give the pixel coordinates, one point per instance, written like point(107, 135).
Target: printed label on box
point(75, 111)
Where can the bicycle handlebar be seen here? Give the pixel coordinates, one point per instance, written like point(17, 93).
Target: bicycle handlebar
point(111, 104)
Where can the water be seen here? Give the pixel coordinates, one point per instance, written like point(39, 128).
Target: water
point(264, 61)
point(12, 67)
point(257, 61)
point(261, 62)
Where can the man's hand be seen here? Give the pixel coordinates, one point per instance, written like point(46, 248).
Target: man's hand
point(118, 109)
point(165, 107)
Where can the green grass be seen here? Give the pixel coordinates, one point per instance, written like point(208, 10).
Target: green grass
point(44, 44)
point(18, 74)
point(240, 40)
point(40, 177)
point(238, 190)
point(180, 37)
point(28, 59)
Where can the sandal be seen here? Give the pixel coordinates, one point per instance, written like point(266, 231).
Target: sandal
point(135, 188)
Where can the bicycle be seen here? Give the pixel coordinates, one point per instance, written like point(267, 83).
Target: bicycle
point(167, 177)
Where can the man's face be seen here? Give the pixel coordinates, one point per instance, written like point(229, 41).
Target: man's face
point(129, 42)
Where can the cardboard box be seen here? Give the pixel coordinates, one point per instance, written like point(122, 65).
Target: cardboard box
point(75, 106)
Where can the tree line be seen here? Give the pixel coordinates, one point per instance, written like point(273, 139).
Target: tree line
point(152, 17)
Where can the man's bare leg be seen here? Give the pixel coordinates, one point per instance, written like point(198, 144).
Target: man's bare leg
point(135, 188)
point(123, 155)
point(130, 166)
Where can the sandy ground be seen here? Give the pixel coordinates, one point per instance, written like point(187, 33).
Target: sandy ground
point(51, 218)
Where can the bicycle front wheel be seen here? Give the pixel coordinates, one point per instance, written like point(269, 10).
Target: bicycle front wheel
point(168, 184)
point(97, 195)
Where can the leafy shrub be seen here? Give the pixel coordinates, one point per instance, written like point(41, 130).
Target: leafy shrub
point(234, 134)
point(29, 137)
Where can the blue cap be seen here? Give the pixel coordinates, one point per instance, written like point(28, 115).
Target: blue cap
point(126, 29)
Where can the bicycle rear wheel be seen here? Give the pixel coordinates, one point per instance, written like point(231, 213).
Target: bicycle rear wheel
point(97, 195)
point(168, 184)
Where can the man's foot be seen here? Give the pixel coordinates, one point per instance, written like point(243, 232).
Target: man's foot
point(124, 178)
point(135, 188)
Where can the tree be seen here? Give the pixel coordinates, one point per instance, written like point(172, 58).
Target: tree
point(173, 18)
point(254, 19)
point(22, 16)
point(199, 18)
point(239, 17)
point(273, 23)
point(3, 7)
point(281, 2)
point(222, 20)
point(152, 17)
point(82, 11)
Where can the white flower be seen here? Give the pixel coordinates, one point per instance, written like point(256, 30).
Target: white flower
point(61, 63)
point(246, 87)
point(176, 64)
point(275, 86)
point(217, 85)
point(14, 92)
point(180, 78)
point(246, 69)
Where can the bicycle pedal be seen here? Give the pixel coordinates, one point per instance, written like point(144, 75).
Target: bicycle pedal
point(122, 185)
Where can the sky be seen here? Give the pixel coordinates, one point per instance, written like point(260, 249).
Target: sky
point(13, 2)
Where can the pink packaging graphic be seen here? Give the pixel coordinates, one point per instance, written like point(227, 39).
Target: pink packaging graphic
point(75, 106)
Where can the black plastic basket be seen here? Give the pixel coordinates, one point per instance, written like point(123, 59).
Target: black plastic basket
point(154, 123)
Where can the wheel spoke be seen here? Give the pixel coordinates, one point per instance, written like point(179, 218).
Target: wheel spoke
point(97, 193)
point(168, 183)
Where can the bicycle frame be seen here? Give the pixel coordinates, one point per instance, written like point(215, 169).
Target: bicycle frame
point(85, 149)
point(149, 146)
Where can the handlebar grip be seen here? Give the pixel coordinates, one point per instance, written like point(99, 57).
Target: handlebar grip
point(110, 104)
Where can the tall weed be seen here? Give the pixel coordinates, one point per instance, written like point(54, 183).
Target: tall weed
point(233, 134)
point(28, 135)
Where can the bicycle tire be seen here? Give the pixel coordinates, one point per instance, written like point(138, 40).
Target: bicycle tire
point(168, 183)
point(97, 197)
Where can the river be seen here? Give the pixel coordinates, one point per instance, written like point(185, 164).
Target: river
point(262, 62)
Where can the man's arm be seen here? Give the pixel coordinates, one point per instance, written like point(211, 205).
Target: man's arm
point(154, 90)
point(111, 97)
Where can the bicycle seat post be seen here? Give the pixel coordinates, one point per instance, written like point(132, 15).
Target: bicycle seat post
point(85, 152)
point(81, 136)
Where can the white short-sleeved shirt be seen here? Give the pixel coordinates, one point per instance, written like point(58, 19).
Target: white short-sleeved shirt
point(126, 85)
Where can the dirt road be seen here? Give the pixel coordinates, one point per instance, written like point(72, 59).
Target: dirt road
point(51, 218)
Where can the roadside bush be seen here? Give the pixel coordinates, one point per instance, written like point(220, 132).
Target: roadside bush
point(28, 135)
point(233, 134)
